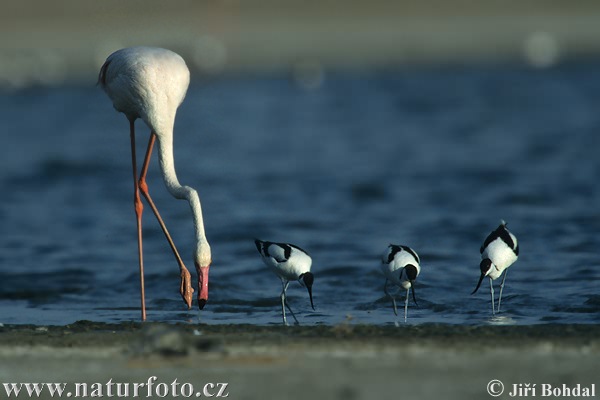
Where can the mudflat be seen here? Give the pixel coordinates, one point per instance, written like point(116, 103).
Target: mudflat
point(345, 361)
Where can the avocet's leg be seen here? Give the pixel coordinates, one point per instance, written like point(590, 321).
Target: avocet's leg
point(492, 293)
point(139, 208)
point(406, 304)
point(185, 287)
point(287, 304)
point(390, 296)
point(501, 288)
point(285, 285)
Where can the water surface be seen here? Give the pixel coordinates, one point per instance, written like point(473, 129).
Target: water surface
point(429, 158)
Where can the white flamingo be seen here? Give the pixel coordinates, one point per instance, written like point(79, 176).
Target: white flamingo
point(150, 84)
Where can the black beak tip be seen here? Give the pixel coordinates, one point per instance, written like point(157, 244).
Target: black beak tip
point(412, 285)
point(201, 304)
point(311, 299)
point(478, 284)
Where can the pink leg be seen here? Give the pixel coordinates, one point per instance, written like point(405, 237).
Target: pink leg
point(139, 208)
point(186, 279)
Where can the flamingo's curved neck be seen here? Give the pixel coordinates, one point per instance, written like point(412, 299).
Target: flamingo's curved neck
point(167, 167)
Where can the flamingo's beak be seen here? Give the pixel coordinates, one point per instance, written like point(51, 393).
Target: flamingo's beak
point(202, 285)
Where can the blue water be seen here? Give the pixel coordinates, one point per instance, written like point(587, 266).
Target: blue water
point(431, 158)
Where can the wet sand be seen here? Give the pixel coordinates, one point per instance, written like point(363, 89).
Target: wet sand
point(333, 362)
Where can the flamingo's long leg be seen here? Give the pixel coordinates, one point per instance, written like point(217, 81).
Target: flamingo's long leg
point(139, 208)
point(185, 289)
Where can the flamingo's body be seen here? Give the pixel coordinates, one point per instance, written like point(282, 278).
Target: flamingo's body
point(498, 252)
point(289, 263)
point(400, 265)
point(150, 84)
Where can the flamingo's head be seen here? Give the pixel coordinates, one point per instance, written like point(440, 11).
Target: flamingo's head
point(202, 262)
point(202, 284)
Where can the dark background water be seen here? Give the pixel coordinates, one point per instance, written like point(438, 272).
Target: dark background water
point(432, 158)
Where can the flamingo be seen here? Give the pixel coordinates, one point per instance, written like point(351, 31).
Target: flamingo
point(150, 83)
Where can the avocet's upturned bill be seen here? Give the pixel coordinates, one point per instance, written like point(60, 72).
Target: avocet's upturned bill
point(289, 263)
point(400, 265)
point(498, 252)
point(150, 83)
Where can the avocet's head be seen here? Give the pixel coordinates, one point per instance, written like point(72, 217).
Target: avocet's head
point(411, 274)
point(202, 262)
point(307, 279)
point(486, 268)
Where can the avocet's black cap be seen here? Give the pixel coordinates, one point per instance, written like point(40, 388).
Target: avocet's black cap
point(411, 274)
point(485, 266)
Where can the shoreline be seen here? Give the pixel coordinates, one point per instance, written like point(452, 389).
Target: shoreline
point(239, 333)
point(431, 330)
point(334, 362)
